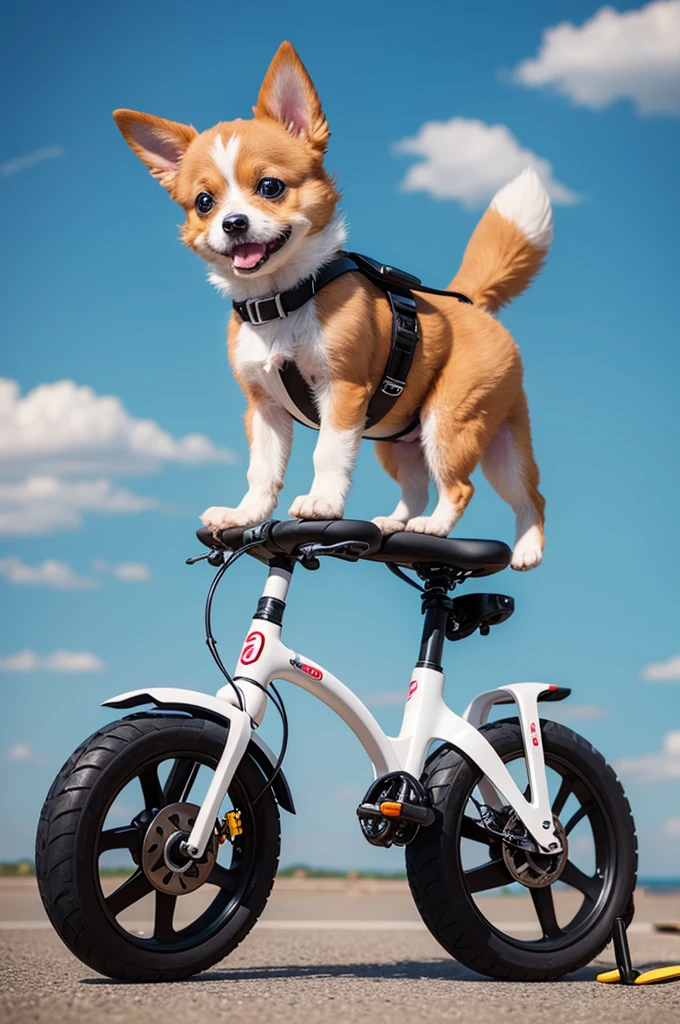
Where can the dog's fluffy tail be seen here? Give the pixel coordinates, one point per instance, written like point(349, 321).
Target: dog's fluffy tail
point(508, 246)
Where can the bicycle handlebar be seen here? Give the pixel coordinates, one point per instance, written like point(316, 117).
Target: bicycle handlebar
point(356, 536)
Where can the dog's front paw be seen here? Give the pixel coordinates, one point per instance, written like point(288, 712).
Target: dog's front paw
point(218, 518)
point(528, 552)
point(313, 506)
point(387, 524)
point(429, 524)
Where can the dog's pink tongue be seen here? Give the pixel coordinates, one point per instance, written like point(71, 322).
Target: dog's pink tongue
point(247, 255)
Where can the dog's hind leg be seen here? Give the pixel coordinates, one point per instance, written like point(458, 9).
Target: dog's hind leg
point(405, 462)
point(509, 466)
point(452, 447)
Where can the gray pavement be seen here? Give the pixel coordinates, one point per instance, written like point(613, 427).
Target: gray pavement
point(327, 951)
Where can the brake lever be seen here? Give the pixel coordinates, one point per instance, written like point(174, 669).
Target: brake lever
point(347, 550)
point(213, 557)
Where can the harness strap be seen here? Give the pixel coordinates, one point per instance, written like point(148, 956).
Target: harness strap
point(402, 351)
point(393, 382)
point(397, 285)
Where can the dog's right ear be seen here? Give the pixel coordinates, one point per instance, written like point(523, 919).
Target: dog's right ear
point(158, 143)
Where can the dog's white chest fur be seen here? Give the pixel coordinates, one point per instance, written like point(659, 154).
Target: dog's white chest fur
point(262, 350)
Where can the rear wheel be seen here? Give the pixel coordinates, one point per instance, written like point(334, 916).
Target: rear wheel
point(455, 866)
point(108, 859)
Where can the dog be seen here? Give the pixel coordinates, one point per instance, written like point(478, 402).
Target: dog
point(262, 211)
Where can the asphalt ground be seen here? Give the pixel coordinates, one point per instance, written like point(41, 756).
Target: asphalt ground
point(329, 951)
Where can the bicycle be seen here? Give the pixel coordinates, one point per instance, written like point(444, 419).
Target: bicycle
point(461, 801)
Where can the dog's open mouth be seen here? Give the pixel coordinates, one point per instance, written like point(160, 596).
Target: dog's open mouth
point(250, 256)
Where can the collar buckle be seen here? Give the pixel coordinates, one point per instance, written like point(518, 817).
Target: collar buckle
point(253, 311)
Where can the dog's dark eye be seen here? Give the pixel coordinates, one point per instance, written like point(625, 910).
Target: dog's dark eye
point(271, 188)
point(204, 202)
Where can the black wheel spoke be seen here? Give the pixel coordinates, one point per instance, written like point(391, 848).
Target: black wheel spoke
point(578, 816)
point(472, 829)
point(180, 780)
point(162, 924)
point(545, 911)
point(151, 788)
point(133, 889)
point(563, 794)
point(225, 878)
point(124, 838)
point(488, 876)
point(589, 886)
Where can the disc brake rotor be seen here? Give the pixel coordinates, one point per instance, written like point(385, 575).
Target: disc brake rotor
point(163, 864)
point(536, 870)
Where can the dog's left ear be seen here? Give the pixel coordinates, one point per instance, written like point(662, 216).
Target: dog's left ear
point(288, 96)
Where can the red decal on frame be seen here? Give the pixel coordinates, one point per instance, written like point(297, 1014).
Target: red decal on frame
point(315, 673)
point(412, 689)
point(252, 648)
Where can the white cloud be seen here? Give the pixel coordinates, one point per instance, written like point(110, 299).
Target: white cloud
point(36, 156)
point(469, 160)
point(614, 55)
point(672, 827)
point(132, 572)
point(127, 572)
point(57, 661)
point(50, 573)
point(648, 768)
point(45, 504)
point(66, 429)
point(18, 752)
point(663, 671)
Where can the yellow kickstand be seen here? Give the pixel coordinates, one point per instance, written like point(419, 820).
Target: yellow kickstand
point(626, 973)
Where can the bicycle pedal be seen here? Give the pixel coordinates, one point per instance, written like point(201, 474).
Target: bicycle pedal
point(397, 809)
point(407, 812)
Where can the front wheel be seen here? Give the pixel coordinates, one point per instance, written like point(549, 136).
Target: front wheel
point(108, 860)
point(462, 877)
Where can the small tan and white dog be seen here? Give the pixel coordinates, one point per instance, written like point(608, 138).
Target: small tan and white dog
point(262, 211)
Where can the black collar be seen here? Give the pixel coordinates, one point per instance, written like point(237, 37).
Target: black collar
point(277, 307)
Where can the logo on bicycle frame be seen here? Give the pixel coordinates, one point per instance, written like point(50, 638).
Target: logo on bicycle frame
point(297, 662)
point(412, 689)
point(252, 648)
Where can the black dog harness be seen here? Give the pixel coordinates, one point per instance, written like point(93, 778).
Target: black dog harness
point(398, 287)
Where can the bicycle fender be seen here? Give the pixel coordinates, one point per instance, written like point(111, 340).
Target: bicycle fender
point(197, 704)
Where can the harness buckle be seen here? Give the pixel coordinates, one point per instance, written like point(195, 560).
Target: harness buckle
point(392, 387)
point(407, 325)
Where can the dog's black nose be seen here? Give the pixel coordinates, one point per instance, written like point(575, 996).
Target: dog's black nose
point(235, 224)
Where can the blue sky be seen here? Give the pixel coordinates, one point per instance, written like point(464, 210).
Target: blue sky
point(98, 291)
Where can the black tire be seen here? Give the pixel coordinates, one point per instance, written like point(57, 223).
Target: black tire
point(443, 891)
point(69, 843)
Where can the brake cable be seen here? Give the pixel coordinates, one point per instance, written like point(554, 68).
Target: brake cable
point(270, 692)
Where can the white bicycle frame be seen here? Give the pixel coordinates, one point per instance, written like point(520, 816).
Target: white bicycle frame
point(265, 657)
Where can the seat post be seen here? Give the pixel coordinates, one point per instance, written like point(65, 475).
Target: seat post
point(436, 607)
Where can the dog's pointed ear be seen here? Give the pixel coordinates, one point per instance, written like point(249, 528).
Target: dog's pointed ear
point(158, 143)
point(288, 96)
